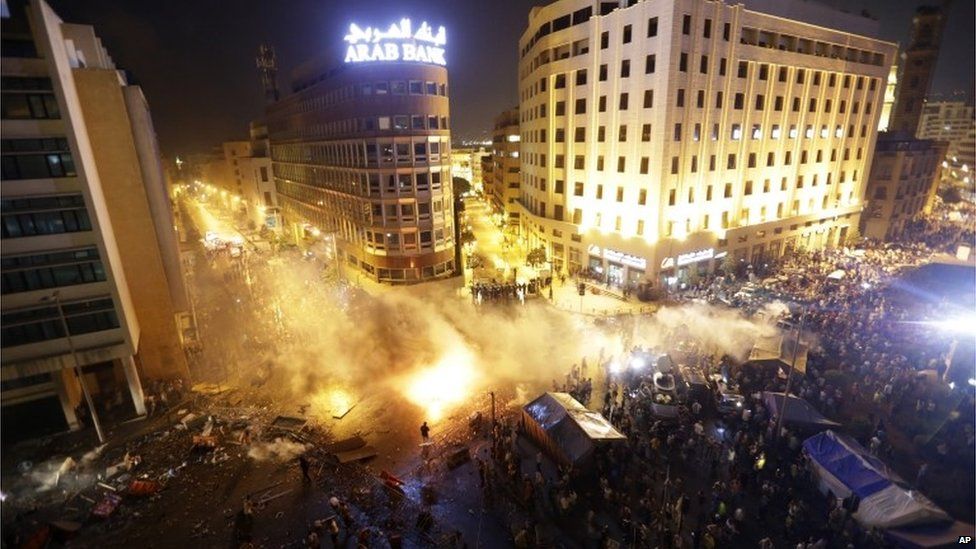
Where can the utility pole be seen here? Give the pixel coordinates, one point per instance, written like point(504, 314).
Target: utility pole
point(56, 296)
point(789, 377)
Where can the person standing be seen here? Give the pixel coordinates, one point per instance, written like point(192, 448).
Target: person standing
point(425, 432)
point(304, 464)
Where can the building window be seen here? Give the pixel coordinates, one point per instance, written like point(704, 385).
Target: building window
point(621, 163)
point(623, 101)
point(686, 24)
point(578, 189)
point(625, 68)
point(648, 99)
point(646, 133)
point(602, 107)
point(627, 29)
point(603, 73)
point(604, 40)
point(622, 133)
point(681, 97)
point(683, 62)
point(581, 77)
point(580, 106)
point(652, 27)
point(703, 65)
point(743, 69)
point(644, 163)
point(650, 63)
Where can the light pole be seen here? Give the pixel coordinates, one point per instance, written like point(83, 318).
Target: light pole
point(56, 297)
point(789, 377)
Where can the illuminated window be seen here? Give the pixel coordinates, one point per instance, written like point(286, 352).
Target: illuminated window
point(736, 132)
point(774, 133)
point(756, 131)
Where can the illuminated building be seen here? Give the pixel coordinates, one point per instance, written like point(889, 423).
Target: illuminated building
point(666, 136)
point(917, 67)
point(902, 185)
point(953, 122)
point(889, 99)
point(362, 150)
point(85, 215)
point(466, 164)
point(503, 192)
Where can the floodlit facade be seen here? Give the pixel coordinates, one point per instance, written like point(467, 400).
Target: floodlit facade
point(503, 191)
point(889, 99)
point(902, 185)
point(466, 164)
point(663, 137)
point(362, 151)
point(85, 216)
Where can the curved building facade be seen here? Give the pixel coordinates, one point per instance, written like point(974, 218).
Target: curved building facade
point(659, 138)
point(362, 152)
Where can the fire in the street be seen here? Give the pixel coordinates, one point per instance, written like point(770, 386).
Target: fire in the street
point(334, 401)
point(440, 388)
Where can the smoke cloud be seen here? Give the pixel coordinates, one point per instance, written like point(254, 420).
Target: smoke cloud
point(280, 449)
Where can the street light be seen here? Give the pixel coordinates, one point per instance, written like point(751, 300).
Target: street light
point(56, 297)
point(789, 377)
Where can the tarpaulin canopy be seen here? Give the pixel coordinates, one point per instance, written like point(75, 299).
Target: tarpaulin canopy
point(837, 275)
point(845, 468)
point(778, 350)
point(565, 428)
point(798, 411)
point(933, 535)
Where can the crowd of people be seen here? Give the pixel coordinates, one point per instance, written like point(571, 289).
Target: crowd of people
point(501, 292)
point(877, 365)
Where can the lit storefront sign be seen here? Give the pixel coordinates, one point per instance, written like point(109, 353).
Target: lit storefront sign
point(695, 257)
point(689, 258)
point(618, 257)
point(400, 42)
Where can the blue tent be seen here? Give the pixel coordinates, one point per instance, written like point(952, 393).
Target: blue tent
point(844, 468)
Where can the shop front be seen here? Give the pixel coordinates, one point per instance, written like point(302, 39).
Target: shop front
point(615, 267)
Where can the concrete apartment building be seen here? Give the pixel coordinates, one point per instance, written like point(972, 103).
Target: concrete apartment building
point(466, 164)
point(902, 185)
point(660, 137)
point(88, 240)
point(905, 171)
point(361, 151)
point(503, 191)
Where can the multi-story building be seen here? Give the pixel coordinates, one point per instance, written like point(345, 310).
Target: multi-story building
point(362, 151)
point(902, 185)
point(91, 272)
point(466, 164)
point(917, 68)
point(503, 192)
point(953, 122)
point(257, 186)
point(665, 136)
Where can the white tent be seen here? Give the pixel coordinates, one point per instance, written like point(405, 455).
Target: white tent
point(845, 469)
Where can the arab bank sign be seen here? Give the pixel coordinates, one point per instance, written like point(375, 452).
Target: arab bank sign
point(400, 42)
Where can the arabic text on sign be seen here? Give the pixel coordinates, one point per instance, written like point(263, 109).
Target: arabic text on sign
point(398, 43)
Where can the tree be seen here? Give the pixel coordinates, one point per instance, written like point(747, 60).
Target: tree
point(467, 236)
point(950, 195)
point(460, 186)
point(536, 256)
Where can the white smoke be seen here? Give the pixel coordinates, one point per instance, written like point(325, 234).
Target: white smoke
point(281, 449)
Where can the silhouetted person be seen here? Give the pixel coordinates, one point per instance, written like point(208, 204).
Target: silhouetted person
point(425, 432)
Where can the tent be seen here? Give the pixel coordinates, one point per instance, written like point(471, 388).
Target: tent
point(565, 429)
point(778, 351)
point(844, 468)
point(799, 412)
point(923, 537)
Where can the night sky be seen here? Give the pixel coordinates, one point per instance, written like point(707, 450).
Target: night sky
point(195, 58)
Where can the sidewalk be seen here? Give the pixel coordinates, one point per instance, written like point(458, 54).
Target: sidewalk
point(567, 298)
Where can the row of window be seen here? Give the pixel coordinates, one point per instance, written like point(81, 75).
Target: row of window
point(36, 166)
point(369, 154)
point(356, 183)
point(430, 271)
point(396, 87)
point(579, 189)
point(291, 128)
point(705, 221)
point(735, 133)
point(44, 323)
point(41, 278)
point(26, 106)
point(43, 216)
point(409, 241)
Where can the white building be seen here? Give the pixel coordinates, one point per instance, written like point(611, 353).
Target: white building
point(664, 136)
point(91, 271)
point(953, 122)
